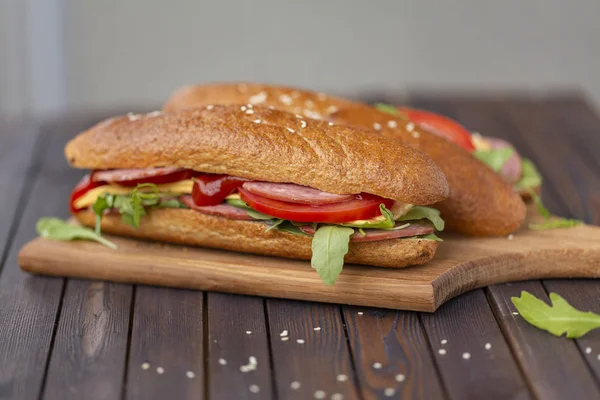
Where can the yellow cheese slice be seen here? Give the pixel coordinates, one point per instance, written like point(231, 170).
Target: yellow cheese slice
point(180, 187)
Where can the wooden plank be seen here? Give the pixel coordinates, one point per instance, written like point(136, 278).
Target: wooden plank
point(29, 304)
point(396, 340)
point(88, 356)
point(316, 353)
point(543, 369)
point(471, 352)
point(166, 355)
point(239, 359)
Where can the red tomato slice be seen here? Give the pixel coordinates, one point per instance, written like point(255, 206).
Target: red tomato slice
point(440, 125)
point(83, 186)
point(362, 206)
point(211, 189)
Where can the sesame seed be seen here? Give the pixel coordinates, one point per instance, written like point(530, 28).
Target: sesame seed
point(511, 236)
point(285, 99)
point(515, 313)
point(303, 124)
point(444, 341)
point(271, 107)
point(146, 365)
point(392, 124)
point(377, 126)
point(258, 98)
point(243, 108)
point(442, 352)
point(252, 360)
point(360, 313)
point(284, 333)
point(292, 131)
point(257, 121)
point(285, 339)
point(222, 361)
point(190, 374)
point(337, 396)
point(318, 328)
point(248, 332)
point(299, 116)
point(331, 109)
point(377, 365)
point(416, 135)
point(342, 378)
point(210, 107)
point(301, 341)
point(133, 117)
point(249, 105)
point(400, 378)
point(295, 385)
point(249, 111)
point(389, 392)
point(156, 113)
point(319, 394)
point(466, 356)
point(309, 103)
point(312, 114)
point(254, 388)
point(588, 350)
point(488, 346)
point(295, 94)
point(410, 127)
point(160, 370)
point(330, 123)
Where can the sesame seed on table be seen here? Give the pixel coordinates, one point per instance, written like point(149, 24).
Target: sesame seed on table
point(60, 338)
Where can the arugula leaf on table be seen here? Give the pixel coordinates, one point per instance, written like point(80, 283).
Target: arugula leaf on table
point(550, 223)
point(329, 246)
point(422, 212)
point(57, 229)
point(494, 158)
point(558, 318)
point(530, 177)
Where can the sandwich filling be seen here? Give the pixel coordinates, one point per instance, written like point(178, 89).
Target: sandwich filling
point(333, 220)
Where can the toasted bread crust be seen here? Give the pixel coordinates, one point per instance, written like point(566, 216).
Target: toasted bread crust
point(480, 202)
point(190, 227)
point(267, 145)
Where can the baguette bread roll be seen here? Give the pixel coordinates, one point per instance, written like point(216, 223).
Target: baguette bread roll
point(264, 145)
point(480, 202)
point(190, 227)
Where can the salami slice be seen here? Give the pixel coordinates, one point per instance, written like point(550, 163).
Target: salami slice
point(374, 235)
point(292, 193)
point(222, 210)
point(512, 168)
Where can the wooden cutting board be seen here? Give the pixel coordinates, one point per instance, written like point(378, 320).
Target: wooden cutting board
point(461, 264)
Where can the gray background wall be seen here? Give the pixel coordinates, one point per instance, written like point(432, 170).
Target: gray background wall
point(59, 55)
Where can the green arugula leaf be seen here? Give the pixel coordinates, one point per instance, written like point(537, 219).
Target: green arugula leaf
point(98, 207)
point(430, 236)
point(57, 229)
point(329, 246)
point(559, 318)
point(387, 108)
point(251, 212)
point(549, 223)
point(388, 222)
point(362, 232)
point(422, 212)
point(275, 224)
point(172, 203)
point(289, 227)
point(494, 158)
point(530, 178)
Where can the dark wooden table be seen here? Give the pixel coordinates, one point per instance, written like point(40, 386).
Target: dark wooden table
point(76, 339)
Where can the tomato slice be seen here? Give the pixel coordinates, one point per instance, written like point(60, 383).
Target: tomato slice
point(440, 125)
point(211, 189)
point(362, 206)
point(86, 184)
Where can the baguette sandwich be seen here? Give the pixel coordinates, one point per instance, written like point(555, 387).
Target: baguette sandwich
point(480, 203)
point(257, 180)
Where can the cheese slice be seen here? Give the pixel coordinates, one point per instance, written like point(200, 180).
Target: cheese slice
point(180, 187)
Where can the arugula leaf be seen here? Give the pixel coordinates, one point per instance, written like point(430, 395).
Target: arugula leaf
point(275, 224)
point(495, 158)
point(422, 212)
point(430, 236)
point(57, 229)
point(550, 223)
point(258, 215)
point(289, 227)
point(98, 207)
point(329, 246)
point(172, 203)
point(559, 318)
point(251, 212)
point(388, 108)
point(530, 178)
point(388, 222)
